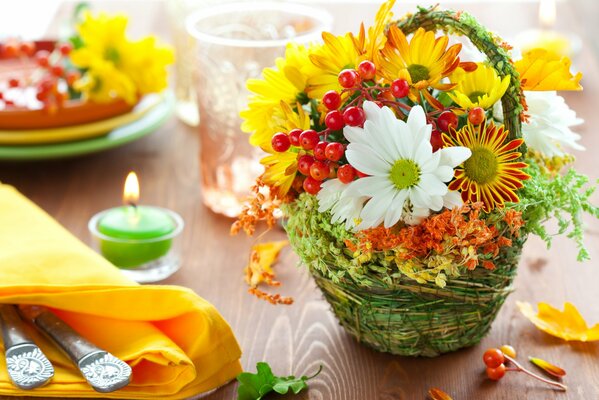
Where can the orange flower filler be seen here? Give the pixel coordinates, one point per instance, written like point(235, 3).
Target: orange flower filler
point(459, 233)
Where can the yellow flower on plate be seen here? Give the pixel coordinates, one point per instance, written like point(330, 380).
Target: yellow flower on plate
point(281, 168)
point(491, 174)
point(115, 66)
point(347, 51)
point(285, 82)
point(567, 324)
point(423, 61)
point(479, 88)
point(541, 70)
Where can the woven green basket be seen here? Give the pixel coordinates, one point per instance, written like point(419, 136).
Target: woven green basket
point(405, 317)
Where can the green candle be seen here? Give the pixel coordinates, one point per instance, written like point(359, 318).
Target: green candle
point(135, 235)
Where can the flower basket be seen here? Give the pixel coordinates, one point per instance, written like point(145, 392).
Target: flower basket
point(403, 317)
point(410, 178)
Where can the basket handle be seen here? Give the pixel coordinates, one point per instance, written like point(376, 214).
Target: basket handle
point(465, 24)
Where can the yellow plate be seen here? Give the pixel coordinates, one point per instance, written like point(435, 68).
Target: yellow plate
point(78, 132)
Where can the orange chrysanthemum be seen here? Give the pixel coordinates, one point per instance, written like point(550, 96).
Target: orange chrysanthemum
point(423, 62)
point(491, 175)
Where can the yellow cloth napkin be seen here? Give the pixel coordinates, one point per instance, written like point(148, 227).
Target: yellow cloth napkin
point(176, 342)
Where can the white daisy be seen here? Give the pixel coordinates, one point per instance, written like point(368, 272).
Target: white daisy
point(401, 165)
point(333, 196)
point(548, 128)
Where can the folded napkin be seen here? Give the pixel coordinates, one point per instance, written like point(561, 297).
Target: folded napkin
point(176, 342)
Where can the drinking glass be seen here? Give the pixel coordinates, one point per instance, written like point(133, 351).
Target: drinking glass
point(235, 42)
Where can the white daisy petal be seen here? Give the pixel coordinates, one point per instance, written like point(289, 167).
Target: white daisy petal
point(432, 185)
point(355, 135)
point(395, 211)
point(452, 199)
point(416, 119)
point(369, 186)
point(454, 156)
point(377, 206)
point(365, 160)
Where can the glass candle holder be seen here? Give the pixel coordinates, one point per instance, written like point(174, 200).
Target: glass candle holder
point(143, 259)
point(235, 42)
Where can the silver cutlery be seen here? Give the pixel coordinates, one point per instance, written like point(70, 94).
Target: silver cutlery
point(27, 365)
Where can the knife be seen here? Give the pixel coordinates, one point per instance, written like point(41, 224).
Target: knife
point(27, 365)
point(103, 371)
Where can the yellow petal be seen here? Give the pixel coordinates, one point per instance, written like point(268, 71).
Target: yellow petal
point(542, 70)
point(262, 257)
point(547, 367)
point(567, 324)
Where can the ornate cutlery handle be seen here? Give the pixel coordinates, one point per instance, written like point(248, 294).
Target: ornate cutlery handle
point(27, 366)
point(103, 371)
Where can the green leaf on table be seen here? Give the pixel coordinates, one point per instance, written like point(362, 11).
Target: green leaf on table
point(256, 386)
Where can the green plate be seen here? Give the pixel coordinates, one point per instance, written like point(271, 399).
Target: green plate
point(145, 125)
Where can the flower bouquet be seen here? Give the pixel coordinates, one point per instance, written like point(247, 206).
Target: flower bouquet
point(410, 172)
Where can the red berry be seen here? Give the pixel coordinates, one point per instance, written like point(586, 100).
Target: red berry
point(65, 48)
point(41, 96)
point(334, 151)
point(333, 167)
point(320, 170)
point(331, 100)
point(1, 95)
point(476, 116)
point(42, 58)
point(367, 69)
point(496, 373)
point(334, 120)
point(346, 173)
point(493, 358)
point(309, 139)
point(280, 142)
point(9, 102)
point(27, 48)
point(436, 140)
point(13, 82)
point(446, 120)
point(361, 174)
point(319, 151)
point(348, 78)
point(378, 103)
point(311, 185)
point(400, 88)
point(294, 136)
point(354, 116)
point(304, 163)
point(57, 70)
point(72, 77)
point(10, 50)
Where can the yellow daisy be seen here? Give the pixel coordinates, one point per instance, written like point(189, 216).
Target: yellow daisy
point(491, 175)
point(115, 66)
point(423, 62)
point(285, 82)
point(347, 51)
point(540, 69)
point(281, 168)
point(479, 88)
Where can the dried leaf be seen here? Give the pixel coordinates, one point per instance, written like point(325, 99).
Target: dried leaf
point(261, 259)
point(567, 324)
point(438, 394)
point(547, 367)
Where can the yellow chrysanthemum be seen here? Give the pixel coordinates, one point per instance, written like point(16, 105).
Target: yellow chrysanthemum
point(347, 51)
point(283, 83)
point(491, 174)
point(541, 70)
point(423, 62)
point(115, 66)
point(479, 88)
point(281, 168)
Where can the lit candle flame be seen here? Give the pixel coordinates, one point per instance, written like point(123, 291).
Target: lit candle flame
point(131, 190)
point(547, 13)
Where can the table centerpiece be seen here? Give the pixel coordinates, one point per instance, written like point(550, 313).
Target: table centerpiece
point(409, 175)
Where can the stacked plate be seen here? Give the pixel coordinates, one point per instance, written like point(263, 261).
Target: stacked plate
point(33, 134)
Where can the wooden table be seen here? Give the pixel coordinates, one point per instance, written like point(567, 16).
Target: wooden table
point(298, 338)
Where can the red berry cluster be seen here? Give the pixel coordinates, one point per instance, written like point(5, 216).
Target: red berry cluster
point(15, 49)
point(51, 72)
point(317, 159)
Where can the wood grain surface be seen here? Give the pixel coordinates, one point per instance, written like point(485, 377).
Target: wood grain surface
point(298, 338)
